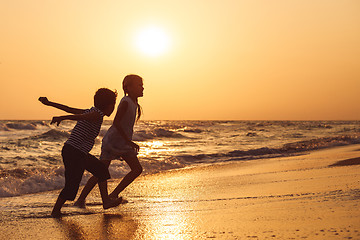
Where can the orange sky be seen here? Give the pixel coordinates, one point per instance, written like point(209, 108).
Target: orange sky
point(245, 60)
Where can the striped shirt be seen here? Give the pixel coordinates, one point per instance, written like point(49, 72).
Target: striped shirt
point(84, 133)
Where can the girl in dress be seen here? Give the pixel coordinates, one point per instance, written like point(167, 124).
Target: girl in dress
point(117, 142)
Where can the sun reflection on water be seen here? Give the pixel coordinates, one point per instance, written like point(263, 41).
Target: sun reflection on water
point(155, 149)
point(167, 221)
point(166, 210)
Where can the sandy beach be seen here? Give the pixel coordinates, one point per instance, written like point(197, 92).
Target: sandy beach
point(310, 196)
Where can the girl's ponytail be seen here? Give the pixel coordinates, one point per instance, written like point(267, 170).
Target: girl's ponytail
point(139, 112)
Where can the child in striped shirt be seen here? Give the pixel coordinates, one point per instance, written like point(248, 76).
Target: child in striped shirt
point(75, 153)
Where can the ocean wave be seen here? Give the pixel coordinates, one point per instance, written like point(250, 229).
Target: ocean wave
point(192, 130)
point(315, 125)
point(143, 135)
point(3, 127)
point(21, 126)
point(119, 169)
point(34, 142)
point(7, 126)
point(22, 181)
point(324, 142)
point(265, 152)
point(51, 135)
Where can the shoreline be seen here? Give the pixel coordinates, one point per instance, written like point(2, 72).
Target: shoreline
point(312, 196)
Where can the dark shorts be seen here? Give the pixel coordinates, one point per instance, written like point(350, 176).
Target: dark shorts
point(76, 162)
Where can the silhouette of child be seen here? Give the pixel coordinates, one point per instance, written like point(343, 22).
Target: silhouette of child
point(75, 153)
point(117, 142)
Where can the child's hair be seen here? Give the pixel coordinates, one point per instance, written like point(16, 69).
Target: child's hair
point(128, 80)
point(104, 97)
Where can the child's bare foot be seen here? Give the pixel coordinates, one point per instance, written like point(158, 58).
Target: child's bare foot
point(114, 196)
point(112, 203)
point(56, 214)
point(80, 204)
point(123, 200)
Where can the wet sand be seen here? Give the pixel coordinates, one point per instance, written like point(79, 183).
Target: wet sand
point(312, 196)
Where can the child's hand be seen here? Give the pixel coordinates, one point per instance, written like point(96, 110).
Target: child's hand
point(135, 146)
point(44, 100)
point(56, 120)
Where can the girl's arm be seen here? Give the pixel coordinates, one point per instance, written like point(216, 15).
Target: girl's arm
point(119, 115)
point(91, 117)
point(65, 108)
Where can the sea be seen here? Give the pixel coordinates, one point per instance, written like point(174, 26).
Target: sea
point(30, 151)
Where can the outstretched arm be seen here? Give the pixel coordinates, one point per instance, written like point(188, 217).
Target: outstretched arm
point(65, 108)
point(91, 116)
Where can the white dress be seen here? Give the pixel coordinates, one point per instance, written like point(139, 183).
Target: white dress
point(114, 145)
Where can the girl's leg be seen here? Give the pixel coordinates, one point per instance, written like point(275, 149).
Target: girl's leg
point(56, 213)
point(136, 170)
point(107, 201)
point(101, 172)
point(88, 187)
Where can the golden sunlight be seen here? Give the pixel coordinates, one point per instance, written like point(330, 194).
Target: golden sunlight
point(152, 41)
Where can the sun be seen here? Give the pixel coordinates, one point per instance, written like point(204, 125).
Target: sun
point(152, 41)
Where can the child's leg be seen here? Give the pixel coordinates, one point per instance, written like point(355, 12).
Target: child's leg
point(136, 170)
point(56, 213)
point(107, 201)
point(74, 170)
point(101, 172)
point(88, 187)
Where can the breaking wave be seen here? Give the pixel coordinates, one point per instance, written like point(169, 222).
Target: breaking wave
point(25, 181)
point(285, 150)
point(30, 151)
point(52, 135)
point(21, 181)
point(143, 135)
point(7, 126)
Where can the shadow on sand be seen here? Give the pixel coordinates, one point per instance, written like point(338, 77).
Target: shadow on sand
point(107, 226)
point(347, 162)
